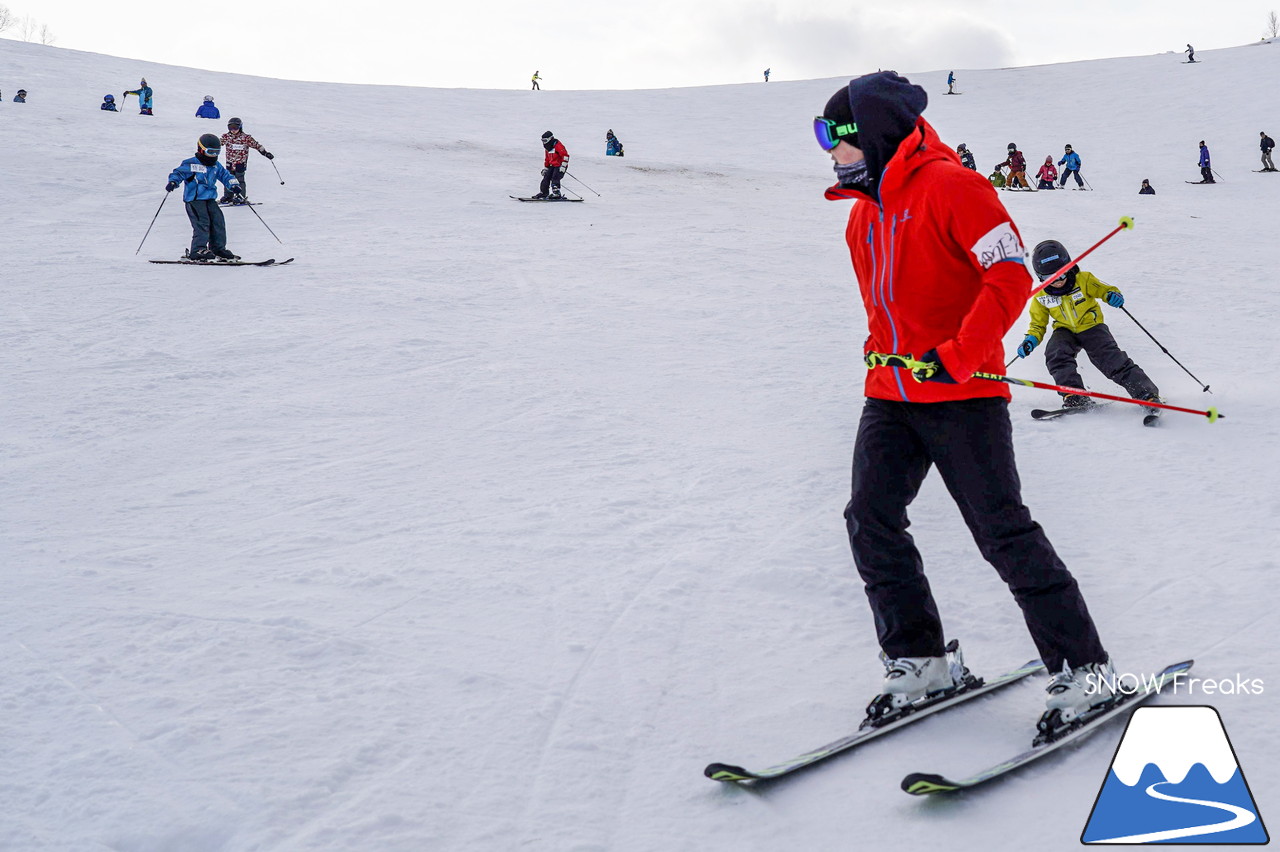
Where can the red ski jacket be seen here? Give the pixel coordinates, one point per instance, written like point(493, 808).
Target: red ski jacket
point(941, 266)
point(556, 157)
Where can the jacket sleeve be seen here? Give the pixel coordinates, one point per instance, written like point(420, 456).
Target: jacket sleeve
point(181, 173)
point(1039, 320)
point(225, 176)
point(1097, 288)
point(983, 230)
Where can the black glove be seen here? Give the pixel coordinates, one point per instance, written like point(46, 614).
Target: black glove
point(171, 186)
point(237, 190)
point(544, 172)
point(564, 170)
point(933, 371)
point(268, 155)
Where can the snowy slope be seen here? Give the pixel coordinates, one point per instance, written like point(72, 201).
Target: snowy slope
point(485, 526)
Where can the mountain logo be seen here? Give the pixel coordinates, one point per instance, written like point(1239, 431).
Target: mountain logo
point(1175, 780)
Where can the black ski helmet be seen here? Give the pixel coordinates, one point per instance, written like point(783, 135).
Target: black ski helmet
point(548, 140)
point(961, 147)
point(1048, 257)
point(209, 145)
point(1012, 147)
point(1066, 147)
point(234, 122)
point(109, 98)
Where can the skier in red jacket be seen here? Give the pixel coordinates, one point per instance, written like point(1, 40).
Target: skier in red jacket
point(941, 269)
point(554, 166)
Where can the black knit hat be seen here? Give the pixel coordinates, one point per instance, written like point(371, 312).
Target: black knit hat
point(839, 111)
point(885, 107)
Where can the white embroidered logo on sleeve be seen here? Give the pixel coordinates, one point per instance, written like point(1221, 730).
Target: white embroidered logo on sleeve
point(1000, 243)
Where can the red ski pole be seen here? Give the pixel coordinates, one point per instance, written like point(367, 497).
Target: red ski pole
point(1126, 223)
point(1212, 413)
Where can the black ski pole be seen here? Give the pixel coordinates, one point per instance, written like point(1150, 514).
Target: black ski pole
point(575, 178)
point(1215, 172)
point(153, 221)
point(264, 224)
point(1203, 386)
point(273, 165)
point(570, 191)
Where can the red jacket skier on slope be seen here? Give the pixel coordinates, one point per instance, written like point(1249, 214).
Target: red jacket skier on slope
point(555, 164)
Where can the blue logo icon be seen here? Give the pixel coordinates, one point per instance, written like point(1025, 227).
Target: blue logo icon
point(1175, 779)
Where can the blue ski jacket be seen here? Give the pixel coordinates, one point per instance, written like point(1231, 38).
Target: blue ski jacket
point(208, 110)
point(200, 182)
point(1072, 161)
point(1204, 157)
point(144, 96)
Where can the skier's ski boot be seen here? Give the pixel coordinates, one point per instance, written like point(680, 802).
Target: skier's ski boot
point(539, 195)
point(202, 254)
point(1075, 696)
point(1075, 400)
point(911, 683)
point(555, 194)
point(226, 199)
point(223, 254)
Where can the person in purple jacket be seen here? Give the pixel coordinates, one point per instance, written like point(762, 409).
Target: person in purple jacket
point(1206, 170)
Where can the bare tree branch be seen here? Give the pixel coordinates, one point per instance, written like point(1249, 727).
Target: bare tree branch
point(46, 35)
point(7, 18)
point(1273, 25)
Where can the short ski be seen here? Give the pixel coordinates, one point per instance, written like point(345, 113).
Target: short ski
point(548, 200)
point(239, 203)
point(729, 772)
point(189, 262)
point(923, 783)
point(1199, 181)
point(1055, 413)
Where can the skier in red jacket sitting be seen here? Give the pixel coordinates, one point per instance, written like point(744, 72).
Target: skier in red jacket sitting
point(941, 268)
point(554, 166)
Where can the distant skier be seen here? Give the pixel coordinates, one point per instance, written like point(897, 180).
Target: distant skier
point(1147, 188)
point(612, 147)
point(555, 164)
point(1017, 168)
point(536, 78)
point(956, 264)
point(21, 97)
point(201, 174)
point(1266, 144)
point(1191, 53)
point(1206, 167)
point(109, 103)
point(144, 97)
point(766, 75)
point(237, 144)
point(207, 109)
point(1047, 175)
point(966, 157)
point(1071, 166)
point(1072, 304)
point(997, 178)
point(951, 82)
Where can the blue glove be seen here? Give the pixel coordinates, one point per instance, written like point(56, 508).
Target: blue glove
point(171, 186)
point(1029, 344)
point(1115, 300)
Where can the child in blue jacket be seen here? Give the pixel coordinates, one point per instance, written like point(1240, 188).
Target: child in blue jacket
point(207, 109)
point(201, 174)
point(109, 103)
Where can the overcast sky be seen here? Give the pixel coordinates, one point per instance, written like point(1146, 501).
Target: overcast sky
point(606, 44)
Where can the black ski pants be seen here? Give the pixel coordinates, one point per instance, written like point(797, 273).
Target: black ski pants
point(550, 179)
point(208, 228)
point(1101, 347)
point(971, 442)
point(1206, 174)
point(1075, 173)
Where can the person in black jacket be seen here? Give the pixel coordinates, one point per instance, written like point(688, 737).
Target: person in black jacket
point(1147, 188)
point(1266, 145)
point(966, 157)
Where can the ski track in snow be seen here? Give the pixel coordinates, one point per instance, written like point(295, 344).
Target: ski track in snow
point(486, 525)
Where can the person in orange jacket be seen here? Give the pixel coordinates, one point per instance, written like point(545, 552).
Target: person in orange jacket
point(941, 269)
point(555, 164)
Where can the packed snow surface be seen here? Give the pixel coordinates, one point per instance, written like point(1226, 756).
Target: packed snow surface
point(486, 525)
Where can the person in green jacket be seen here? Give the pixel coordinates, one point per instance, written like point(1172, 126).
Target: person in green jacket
point(1073, 305)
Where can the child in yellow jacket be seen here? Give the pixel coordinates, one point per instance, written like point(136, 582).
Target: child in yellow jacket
point(1072, 304)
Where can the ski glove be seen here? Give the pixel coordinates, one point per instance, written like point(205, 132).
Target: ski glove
point(932, 371)
point(1029, 344)
point(171, 186)
point(268, 155)
point(1115, 300)
point(544, 172)
point(236, 190)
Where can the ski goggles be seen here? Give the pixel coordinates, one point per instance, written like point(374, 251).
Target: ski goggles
point(211, 150)
point(830, 133)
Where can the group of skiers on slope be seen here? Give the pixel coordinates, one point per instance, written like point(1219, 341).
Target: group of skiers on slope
point(965, 286)
point(1265, 145)
point(200, 175)
point(555, 163)
point(207, 108)
point(1016, 163)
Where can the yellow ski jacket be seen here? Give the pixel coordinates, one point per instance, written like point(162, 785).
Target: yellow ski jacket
point(1077, 311)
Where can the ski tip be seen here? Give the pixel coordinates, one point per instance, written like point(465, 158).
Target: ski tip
point(725, 772)
point(923, 784)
